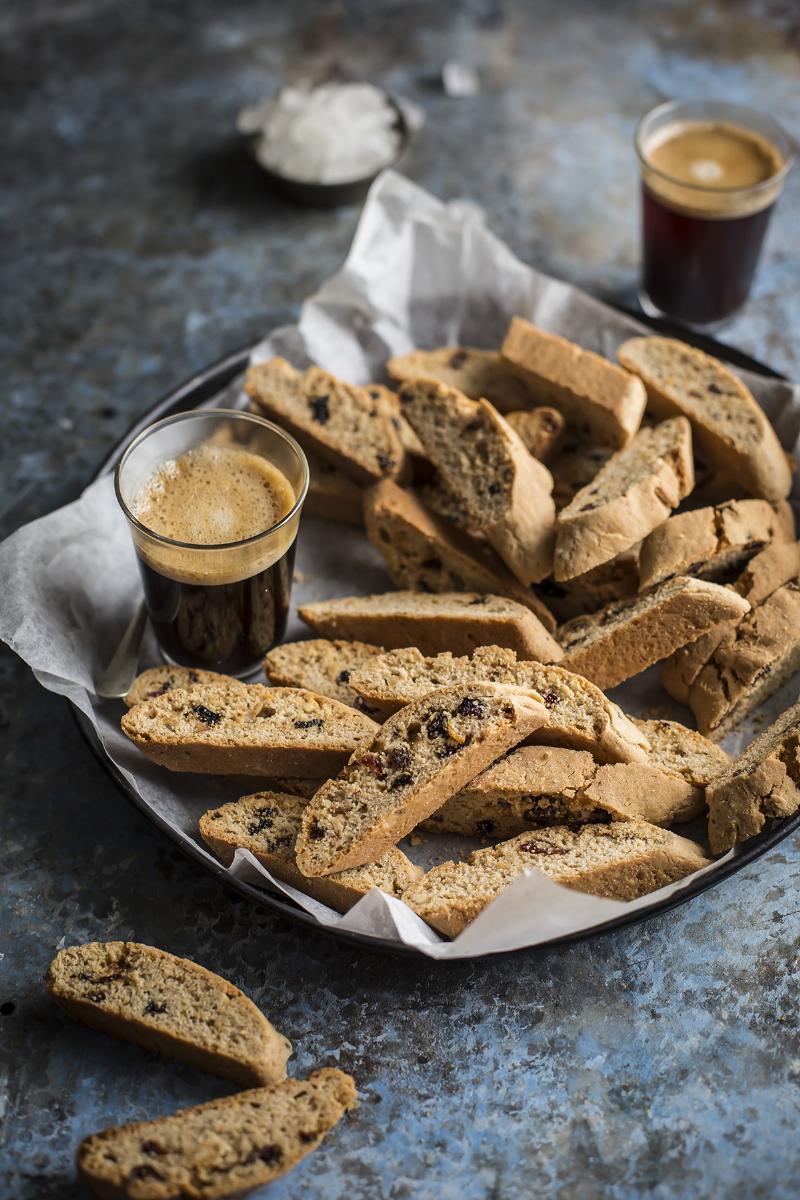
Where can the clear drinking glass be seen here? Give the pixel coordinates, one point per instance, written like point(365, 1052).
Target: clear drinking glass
point(701, 241)
point(221, 606)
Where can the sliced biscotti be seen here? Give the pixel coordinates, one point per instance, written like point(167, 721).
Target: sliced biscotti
point(762, 783)
point(712, 542)
point(683, 752)
point(631, 494)
point(267, 824)
point(456, 621)
point(332, 495)
point(623, 639)
point(730, 428)
point(594, 394)
point(169, 1005)
point(322, 666)
point(479, 374)
point(425, 553)
point(622, 861)
point(220, 730)
point(224, 1148)
point(156, 681)
point(541, 430)
point(346, 425)
point(505, 491)
point(423, 754)
point(541, 786)
point(581, 717)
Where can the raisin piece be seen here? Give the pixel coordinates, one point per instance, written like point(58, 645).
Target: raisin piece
point(145, 1171)
point(373, 763)
point(385, 462)
point(399, 757)
point(458, 359)
point(550, 699)
point(493, 489)
point(152, 1148)
point(270, 1154)
point(469, 707)
point(263, 821)
point(320, 409)
point(154, 1009)
point(308, 1135)
point(313, 723)
point(437, 726)
point(484, 827)
point(317, 832)
point(542, 848)
point(206, 715)
point(96, 997)
point(715, 390)
point(401, 781)
point(343, 677)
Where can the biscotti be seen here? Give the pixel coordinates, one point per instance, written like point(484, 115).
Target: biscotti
point(346, 425)
point(479, 374)
point(258, 731)
point(541, 786)
point(581, 717)
point(267, 824)
point(762, 783)
point(631, 494)
point(730, 428)
point(169, 1005)
point(610, 646)
point(541, 430)
point(456, 621)
point(332, 495)
point(426, 554)
point(321, 666)
point(594, 394)
point(622, 861)
point(683, 752)
point(422, 755)
point(156, 681)
point(712, 542)
point(224, 1148)
point(505, 491)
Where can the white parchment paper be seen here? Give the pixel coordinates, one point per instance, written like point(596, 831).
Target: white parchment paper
point(420, 273)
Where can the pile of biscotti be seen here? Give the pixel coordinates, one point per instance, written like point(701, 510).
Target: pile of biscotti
point(554, 524)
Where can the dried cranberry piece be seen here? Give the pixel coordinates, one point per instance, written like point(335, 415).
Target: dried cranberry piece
point(206, 715)
point(374, 764)
point(470, 707)
point(320, 409)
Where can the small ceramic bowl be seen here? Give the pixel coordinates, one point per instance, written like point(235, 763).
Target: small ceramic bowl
point(334, 195)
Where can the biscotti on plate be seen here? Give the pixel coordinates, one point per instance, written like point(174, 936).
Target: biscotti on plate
point(346, 425)
point(622, 861)
point(267, 824)
point(169, 1005)
point(763, 782)
point(730, 428)
point(505, 491)
point(220, 730)
point(623, 639)
point(321, 666)
point(594, 394)
point(631, 494)
point(224, 1148)
point(427, 554)
point(422, 755)
point(581, 717)
point(156, 681)
point(456, 621)
point(712, 542)
point(479, 374)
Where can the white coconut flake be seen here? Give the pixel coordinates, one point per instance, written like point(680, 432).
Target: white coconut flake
point(334, 133)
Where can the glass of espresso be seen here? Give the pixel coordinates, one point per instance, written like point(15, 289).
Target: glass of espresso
point(213, 502)
point(711, 174)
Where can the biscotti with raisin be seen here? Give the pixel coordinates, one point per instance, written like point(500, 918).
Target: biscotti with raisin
point(730, 428)
point(156, 681)
point(224, 1148)
point(267, 824)
point(622, 861)
point(321, 665)
point(633, 492)
point(456, 621)
point(220, 730)
point(581, 717)
point(169, 1005)
point(422, 755)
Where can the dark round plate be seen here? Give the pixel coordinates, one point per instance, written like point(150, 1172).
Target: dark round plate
point(203, 387)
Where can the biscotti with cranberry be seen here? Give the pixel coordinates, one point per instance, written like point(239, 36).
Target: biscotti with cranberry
point(635, 491)
point(730, 428)
point(428, 554)
point(479, 374)
point(169, 1005)
point(156, 681)
point(267, 824)
point(761, 784)
point(221, 730)
point(581, 717)
point(622, 861)
point(224, 1148)
point(344, 424)
point(422, 755)
point(456, 621)
point(505, 491)
point(321, 665)
point(594, 394)
point(618, 642)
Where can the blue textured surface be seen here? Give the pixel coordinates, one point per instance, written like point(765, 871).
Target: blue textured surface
point(660, 1061)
